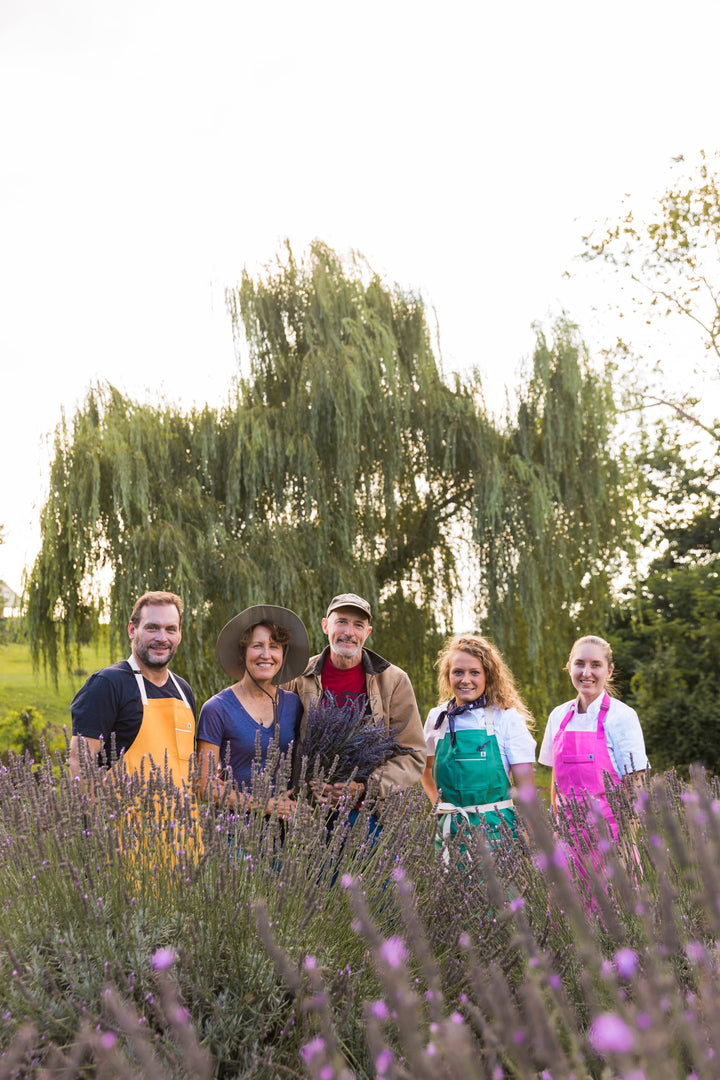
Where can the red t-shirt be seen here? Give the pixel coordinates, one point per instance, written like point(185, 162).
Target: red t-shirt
point(343, 683)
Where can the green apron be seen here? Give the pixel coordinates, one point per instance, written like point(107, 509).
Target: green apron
point(472, 782)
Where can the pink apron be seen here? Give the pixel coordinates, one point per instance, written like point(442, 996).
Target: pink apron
point(580, 758)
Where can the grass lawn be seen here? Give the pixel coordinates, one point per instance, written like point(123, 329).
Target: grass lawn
point(21, 687)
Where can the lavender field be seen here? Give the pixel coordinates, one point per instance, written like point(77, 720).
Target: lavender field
point(144, 936)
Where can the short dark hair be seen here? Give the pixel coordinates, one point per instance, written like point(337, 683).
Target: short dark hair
point(156, 598)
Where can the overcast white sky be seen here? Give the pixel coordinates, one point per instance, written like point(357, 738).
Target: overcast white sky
point(149, 150)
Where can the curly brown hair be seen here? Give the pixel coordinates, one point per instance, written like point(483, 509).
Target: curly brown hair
point(500, 689)
point(279, 634)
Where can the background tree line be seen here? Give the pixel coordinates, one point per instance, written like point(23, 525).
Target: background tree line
point(346, 459)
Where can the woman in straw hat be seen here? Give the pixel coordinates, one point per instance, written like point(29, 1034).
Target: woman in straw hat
point(260, 648)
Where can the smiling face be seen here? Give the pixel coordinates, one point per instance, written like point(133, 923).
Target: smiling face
point(589, 670)
point(466, 676)
point(263, 655)
point(156, 636)
point(347, 629)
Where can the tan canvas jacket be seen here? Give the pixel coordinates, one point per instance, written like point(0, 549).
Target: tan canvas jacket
point(390, 695)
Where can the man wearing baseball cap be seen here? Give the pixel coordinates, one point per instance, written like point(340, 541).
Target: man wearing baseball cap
point(345, 669)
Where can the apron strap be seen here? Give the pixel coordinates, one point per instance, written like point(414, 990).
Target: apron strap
point(448, 810)
point(141, 683)
point(604, 706)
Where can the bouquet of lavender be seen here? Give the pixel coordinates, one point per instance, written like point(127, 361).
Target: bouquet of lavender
point(343, 741)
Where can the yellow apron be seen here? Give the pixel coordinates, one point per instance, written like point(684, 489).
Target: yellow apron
point(166, 830)
point(167, 730)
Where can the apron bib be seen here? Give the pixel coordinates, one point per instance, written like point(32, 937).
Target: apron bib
point(472, 780)
point(166, 740)
point(167, 732)
point(580, 760)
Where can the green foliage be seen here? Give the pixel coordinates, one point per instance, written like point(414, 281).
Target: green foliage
point(21, 687)
point(667, 629)
point(552, 522)
point(343, 461)
point(23, 730)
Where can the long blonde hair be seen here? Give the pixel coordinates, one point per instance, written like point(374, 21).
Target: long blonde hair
point(500, 689)
point(594, 639)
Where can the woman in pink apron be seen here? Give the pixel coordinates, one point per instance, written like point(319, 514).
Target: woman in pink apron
point(591, 737)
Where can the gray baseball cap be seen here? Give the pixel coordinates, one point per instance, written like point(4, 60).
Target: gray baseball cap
point(349, 599)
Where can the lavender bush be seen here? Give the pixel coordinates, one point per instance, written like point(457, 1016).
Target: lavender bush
point(244, 947)
point(344, 743)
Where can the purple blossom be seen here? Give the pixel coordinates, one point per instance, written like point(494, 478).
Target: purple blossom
point(643, 1021)
point(347, 881)
point(694, 951)
point(107, 1040)
point(326, 1073)
point(393, 951)
point(611, 1035)
point(341, 740)
point(312, 1049)
point(163, 959)
point(431, 1050)
point(457, 1018)
point(310, 963)
point(517, 903)
point(379, 1009)
point(383, 1062)
point(626, 961)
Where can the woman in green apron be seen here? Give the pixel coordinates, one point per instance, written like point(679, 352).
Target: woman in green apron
point(479, 741)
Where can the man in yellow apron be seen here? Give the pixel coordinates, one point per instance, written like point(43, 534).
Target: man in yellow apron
point(138, 708)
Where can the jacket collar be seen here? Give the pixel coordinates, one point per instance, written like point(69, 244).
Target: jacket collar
point(372, 662)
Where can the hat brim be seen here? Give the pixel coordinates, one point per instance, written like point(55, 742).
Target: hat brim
point(295, 655)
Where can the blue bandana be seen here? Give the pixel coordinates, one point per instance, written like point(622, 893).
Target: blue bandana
point(454, 710)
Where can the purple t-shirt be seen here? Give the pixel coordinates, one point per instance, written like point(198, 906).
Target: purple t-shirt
point(225, 723)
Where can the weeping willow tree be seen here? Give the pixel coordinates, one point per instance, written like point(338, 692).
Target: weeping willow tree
point(554, 519)
point(344, 461)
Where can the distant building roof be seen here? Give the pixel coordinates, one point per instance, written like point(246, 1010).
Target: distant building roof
point(8, 598)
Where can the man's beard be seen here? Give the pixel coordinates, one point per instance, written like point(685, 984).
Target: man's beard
point(143, 654)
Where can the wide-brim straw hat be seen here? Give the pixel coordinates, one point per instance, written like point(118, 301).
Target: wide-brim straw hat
point(295, 654)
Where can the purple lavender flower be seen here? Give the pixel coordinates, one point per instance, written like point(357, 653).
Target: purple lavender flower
point(626, 961)
point(342, 739)
point(163, 959)
point(312, 1049)
point(611, 1035)
point(383, 1062)
point(393, 951)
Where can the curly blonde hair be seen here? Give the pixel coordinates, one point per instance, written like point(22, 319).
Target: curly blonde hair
point(500, 689)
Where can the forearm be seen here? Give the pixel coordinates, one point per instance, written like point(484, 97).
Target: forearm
point(428, 783)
